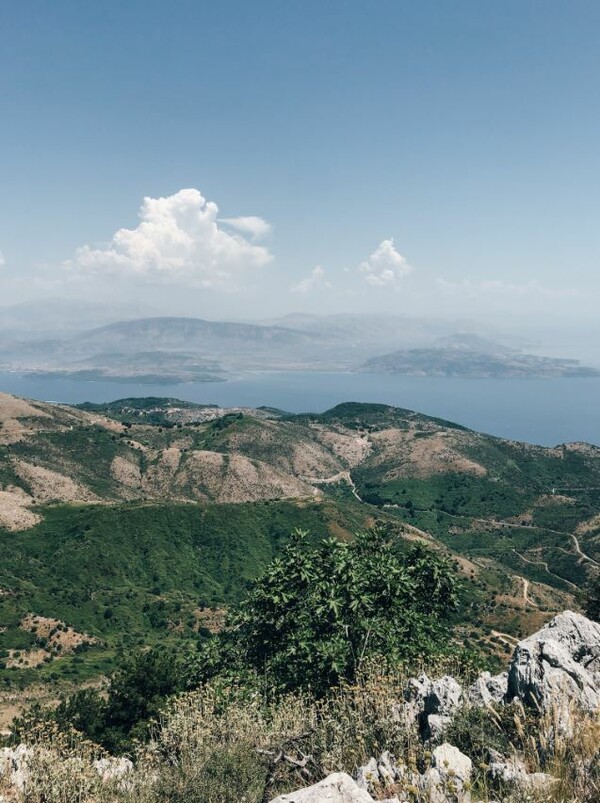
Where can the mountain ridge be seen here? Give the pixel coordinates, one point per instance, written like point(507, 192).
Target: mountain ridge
point(186, 481)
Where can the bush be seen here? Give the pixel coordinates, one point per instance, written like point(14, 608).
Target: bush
point(117, 719)
point(320, 611)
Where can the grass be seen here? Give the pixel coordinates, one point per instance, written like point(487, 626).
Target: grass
point(222, 744)
point(132, 574)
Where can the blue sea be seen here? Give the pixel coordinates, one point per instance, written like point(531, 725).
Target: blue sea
point(543, 411)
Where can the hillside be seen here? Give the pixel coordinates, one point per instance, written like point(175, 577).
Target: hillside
point(137, 516)
point(172, 349)
point(472, 356)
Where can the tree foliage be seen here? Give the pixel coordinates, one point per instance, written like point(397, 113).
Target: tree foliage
point(591, 599)
point(136, 694)
point(320, 610)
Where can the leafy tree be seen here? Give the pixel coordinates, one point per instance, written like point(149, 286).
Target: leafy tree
point(319, 611)
point(591, 599)
point(136, 694)
point(85, 711)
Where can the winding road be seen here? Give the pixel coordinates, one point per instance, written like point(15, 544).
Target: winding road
point(581, 553)
point(345, 476)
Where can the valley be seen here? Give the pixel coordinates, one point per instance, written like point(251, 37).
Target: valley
point(135, 522)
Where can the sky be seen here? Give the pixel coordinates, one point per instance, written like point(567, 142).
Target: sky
point(251, 159)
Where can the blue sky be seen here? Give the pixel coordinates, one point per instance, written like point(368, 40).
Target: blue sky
point(427, 157)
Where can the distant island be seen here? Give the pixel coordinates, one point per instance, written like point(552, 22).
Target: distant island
point(469, 356)
point(172, 350)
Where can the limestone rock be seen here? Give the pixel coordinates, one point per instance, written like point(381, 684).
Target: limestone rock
point(377, 774)
point(445, 697)
point(13, 765)
point(513, 772)
point(336, 788)
point(449, 776)
point(431, 704)
point(558, 665)
point(488, 689)
point(113, 769)
point(436, 726)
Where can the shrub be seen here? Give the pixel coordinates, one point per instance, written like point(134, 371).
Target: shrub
point(320, 611)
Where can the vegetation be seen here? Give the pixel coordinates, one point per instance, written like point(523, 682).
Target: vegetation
point(133, 575)
point(219, 744)
point(319, 611)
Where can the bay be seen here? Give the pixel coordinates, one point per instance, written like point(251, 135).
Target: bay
point(543, 411)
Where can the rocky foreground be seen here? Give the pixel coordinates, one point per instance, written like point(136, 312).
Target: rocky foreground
point(555, 672)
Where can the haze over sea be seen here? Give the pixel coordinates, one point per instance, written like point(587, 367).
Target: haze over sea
point(542, 411)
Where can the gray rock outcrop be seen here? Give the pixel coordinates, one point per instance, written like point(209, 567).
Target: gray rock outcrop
point(336, 788)
point(449, 777)
point(488, 689)
point(512, 772)
point(431, 704)
point(13, 765)
point(558, 666)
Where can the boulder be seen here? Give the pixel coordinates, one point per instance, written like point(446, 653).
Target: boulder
point(512, 772)
point(445, 697)
point(336, 788)
point(113, 769)
point(446, 781)
point(378, 774)
point(13, 765)
point(436, 727)
point(558, 666)
point(488, 689)
point(449, 777)
point(431, 704)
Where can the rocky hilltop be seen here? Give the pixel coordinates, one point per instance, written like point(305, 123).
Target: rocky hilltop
point(210, 494)
point(553, 676)
point(555, 671)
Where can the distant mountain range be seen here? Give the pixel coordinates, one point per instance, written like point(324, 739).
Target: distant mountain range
point(177, 349)
point(471, 356)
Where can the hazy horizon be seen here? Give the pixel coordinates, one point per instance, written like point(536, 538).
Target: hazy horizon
point(239, 162)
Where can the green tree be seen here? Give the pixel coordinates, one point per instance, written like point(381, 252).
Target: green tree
point(591, 601)
point(320, 610)
point(137, 692)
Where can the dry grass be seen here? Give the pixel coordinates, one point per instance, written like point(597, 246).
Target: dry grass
point(228, 744)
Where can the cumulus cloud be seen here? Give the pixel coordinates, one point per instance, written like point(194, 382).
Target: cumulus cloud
point(255, 227)
point(178, 241)
point(386, 266)
point(315, 280)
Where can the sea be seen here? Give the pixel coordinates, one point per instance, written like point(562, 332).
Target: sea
point(541, 411)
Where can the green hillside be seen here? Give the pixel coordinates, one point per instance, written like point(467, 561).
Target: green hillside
point(138, 574)
point(128, 523)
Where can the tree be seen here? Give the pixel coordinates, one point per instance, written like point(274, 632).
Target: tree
point(592, 599)
point(137, 692)
point(319, 611)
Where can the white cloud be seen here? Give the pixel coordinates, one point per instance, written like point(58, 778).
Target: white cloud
point(178, 241)
point(385, 266)
point(255, 227)
point(315, 280)
point(2, 260)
